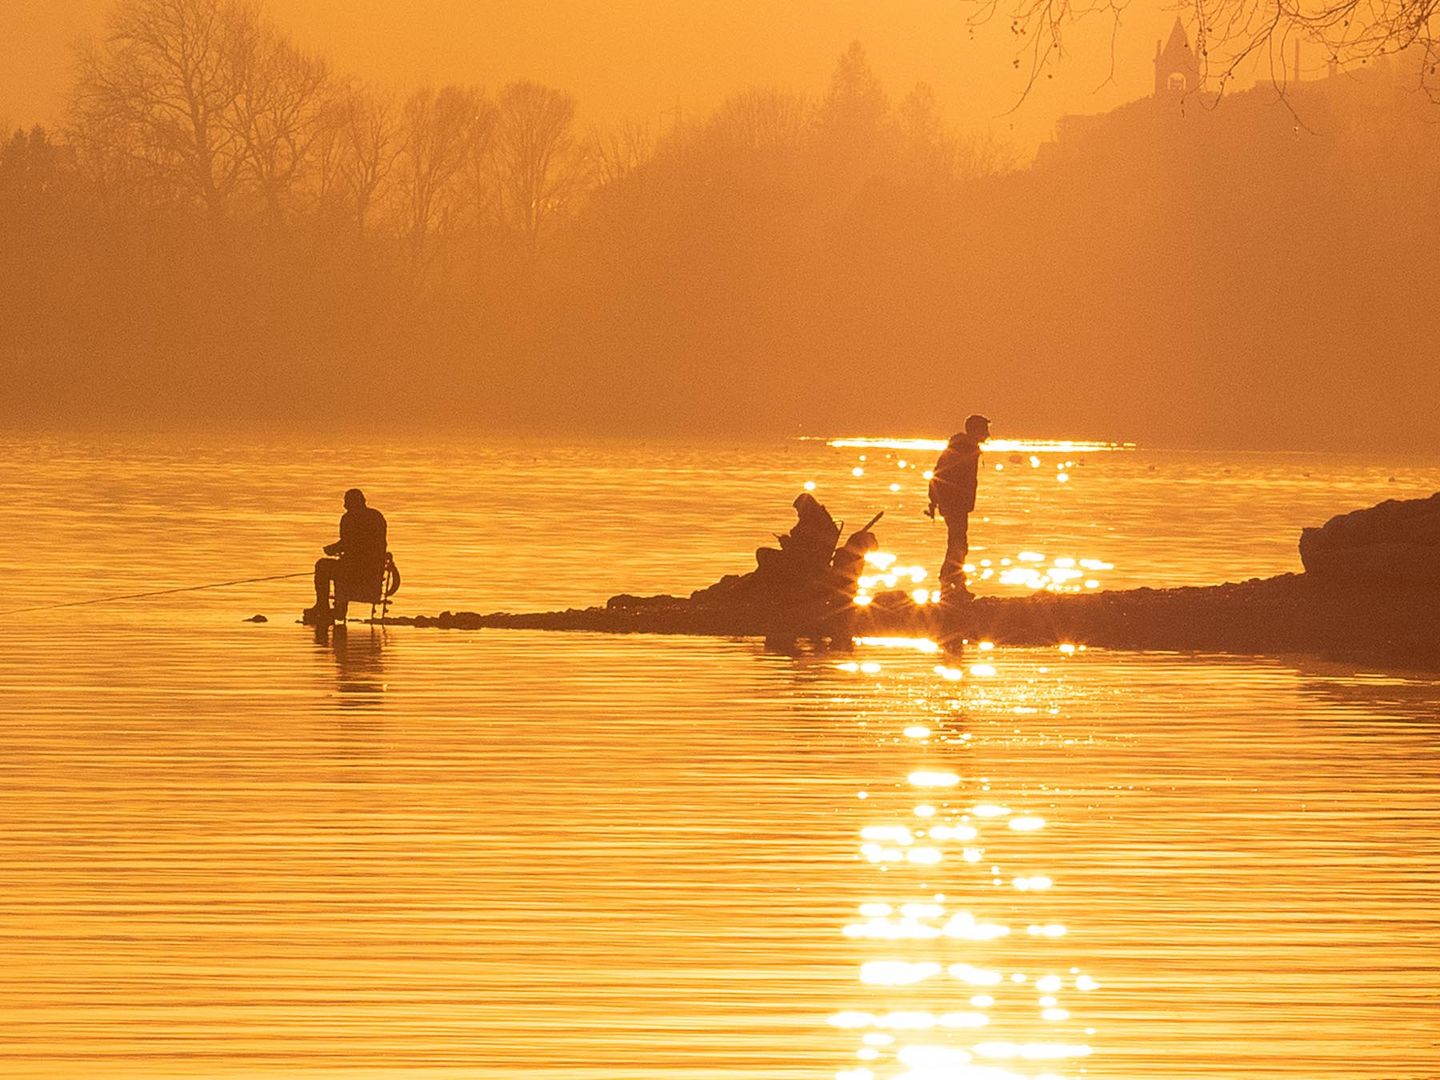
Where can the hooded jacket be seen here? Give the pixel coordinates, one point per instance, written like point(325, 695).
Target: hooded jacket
point(952, 487)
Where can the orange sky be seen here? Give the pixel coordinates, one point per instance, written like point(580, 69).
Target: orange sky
point(638, 59)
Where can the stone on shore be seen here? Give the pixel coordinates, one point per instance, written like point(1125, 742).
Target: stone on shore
point(1396, 541)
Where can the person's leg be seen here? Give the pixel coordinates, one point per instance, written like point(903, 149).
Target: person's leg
point(352, 582)
point(324, 576)
point(957, 547)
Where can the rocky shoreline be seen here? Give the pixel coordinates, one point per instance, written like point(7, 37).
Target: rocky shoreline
point(1370, 594)
point(1392, 624)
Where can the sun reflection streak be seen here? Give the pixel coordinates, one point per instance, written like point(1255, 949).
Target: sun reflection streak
point(918, 644)
point(933, 778)
point(1027, 570)
point(897, 972)
point(935, 933)
point(1002, 446)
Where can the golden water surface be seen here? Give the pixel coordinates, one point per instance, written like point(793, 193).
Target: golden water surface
point(234, 850)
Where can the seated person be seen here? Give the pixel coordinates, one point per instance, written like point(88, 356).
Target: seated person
point(804, 553)
point(357, 565)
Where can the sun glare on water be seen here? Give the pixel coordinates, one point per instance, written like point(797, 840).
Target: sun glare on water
point(1002, 446)
point(890, 474)
point(952, 985)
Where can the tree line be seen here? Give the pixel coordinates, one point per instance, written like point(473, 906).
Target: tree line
point(205, 110)
point(301, 249)
point(206, 106)
point(224, 216)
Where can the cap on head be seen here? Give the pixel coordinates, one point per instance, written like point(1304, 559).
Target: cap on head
point(354, 498)
point(803, 499)
point(977, 426)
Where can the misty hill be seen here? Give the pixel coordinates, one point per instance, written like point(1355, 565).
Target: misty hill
point(1177, 271)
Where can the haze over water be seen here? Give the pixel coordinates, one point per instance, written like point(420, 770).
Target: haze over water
point(231, 850)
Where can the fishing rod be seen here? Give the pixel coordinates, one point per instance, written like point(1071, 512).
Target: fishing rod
point(871, 523)
point(155, 592)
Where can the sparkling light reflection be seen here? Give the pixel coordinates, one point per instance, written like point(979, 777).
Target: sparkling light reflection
point(896, 480)
point(920, 645)
point(931, 935)
point(1003, 446)
point(933, 778)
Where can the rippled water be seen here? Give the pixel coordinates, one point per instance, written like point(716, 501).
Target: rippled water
point(231, 850)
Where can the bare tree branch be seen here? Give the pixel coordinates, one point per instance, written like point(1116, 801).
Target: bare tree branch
point(1232, 34)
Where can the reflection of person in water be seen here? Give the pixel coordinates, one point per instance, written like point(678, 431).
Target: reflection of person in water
point(356, 564)
point(359, 661)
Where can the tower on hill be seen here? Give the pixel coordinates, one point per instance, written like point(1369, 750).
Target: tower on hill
point(1176, 69)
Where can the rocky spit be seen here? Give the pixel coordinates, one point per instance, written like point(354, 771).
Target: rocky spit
point(1395, 626)
point(1371, 594)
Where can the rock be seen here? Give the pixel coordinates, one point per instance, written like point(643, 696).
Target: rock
point(721, 590)
point(256, 618)
point(1396, 541)
point(629, 602)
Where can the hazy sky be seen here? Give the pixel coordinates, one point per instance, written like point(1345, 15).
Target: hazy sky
point(639, 59)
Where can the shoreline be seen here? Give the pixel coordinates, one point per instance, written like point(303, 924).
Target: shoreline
point(1394, 625)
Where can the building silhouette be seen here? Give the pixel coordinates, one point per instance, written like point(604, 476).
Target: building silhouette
point(1176, 69)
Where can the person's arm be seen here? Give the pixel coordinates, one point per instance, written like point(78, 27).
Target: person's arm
point(970, 477)
point(339, 545)
point(935, 482)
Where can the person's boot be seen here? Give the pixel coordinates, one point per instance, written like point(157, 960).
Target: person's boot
point(319, 615)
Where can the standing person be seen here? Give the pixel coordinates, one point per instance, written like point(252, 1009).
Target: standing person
point(357, 562)
point(952, 492)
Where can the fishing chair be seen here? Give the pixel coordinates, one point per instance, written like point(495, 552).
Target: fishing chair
point(378, 591)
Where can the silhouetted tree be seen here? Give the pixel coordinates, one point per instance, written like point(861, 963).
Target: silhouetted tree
point(360, 144)
point(617, 154)
point(763, 120)
point(852, 124)
point(435, 137)
point(539, 167)
point(974, 155)
point(35, 173)
point(481, 192)
point(855, 109)
point(161, 94)
point(283, 107)
point(924, 154)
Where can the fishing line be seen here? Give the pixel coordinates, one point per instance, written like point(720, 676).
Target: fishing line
point(156, 592)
